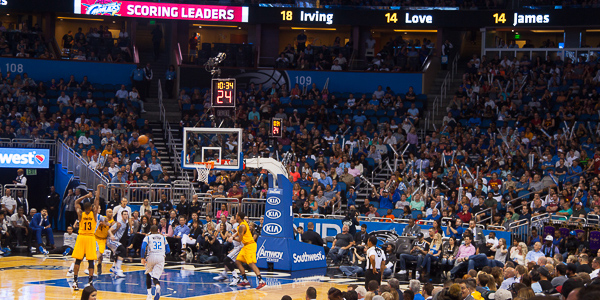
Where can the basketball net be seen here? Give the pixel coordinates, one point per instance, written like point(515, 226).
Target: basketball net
point(203, 169)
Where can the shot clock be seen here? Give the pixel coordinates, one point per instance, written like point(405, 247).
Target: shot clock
point(223, 93)
point(276, 128)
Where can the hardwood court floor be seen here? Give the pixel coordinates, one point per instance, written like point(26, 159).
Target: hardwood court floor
point(44, 278)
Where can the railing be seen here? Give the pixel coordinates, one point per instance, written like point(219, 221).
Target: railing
point(593, 219)
point(171, 144)
point(136, 55)
point(438, 101)
point(31, 143)
point(178, 55)
point(572, 53)
point(78, 166)
point(14, 190)
point(483, 213)
point(520, 230)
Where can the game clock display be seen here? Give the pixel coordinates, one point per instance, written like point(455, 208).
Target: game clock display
point(223, 93)
point(276, 127)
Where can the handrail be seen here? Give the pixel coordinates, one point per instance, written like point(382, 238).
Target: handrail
point(498, 228)
point(483, 212)
point(136, 55)
point(178, 55)
point(558, 51)
point(171, 144)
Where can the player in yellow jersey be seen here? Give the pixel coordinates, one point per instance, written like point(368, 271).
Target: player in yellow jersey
point(85, 245)
point(248, 253)
point(104, 223)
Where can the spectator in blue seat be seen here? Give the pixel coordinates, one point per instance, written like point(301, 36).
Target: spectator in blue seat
point(325, 180)
point(434, 215)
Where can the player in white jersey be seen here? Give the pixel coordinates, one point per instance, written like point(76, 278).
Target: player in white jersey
point(230, 262)
point(115, 234)
point(154, 250)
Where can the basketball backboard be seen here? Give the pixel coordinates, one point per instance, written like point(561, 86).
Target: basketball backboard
point(219, 145)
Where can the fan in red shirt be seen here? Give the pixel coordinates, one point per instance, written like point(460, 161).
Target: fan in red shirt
point(465, 215)
point(235, 192)
point(495, 182)
point(597, 162)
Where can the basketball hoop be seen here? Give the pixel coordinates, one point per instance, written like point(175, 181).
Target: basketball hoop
point(203, 168)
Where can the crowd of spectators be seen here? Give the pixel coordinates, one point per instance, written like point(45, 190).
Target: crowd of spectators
point(400, 55)
point(306, 56)
point(100, 122)
point(98, 44)
point(23, 42)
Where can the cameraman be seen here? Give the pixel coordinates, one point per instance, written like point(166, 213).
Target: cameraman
point(351, 221)
point(358, 263)
point(455, 231)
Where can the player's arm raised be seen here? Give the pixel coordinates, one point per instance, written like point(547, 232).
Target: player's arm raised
point(96, 209)
point(78, 203)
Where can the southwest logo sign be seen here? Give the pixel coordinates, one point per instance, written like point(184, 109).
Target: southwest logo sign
point(40, 158)
point(272, 229)
point(273, 201)
point(24, 158)
point(273, 214)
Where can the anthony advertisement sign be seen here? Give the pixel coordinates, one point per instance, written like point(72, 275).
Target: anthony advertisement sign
point(172, 11)
point(24, 158)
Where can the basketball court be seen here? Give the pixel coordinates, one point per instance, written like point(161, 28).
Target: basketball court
point(44, 278)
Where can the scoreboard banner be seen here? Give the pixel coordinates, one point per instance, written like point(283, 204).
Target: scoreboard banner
point(155, 10)
point(426, 18)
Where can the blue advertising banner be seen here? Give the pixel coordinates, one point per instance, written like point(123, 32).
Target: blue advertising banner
point(278, 210)
point(24, 158)
point(363, 82)
point(382, 230)
point(45, 70)
point(288, 254)
point(339, 81)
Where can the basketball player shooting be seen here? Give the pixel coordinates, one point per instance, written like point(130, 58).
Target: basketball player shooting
point(85, 245)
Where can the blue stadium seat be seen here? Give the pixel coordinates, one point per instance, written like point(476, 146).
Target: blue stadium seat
point(80, 110)
point(156, 175)
point(415, 213)
point(140, 122)
point(94, 111)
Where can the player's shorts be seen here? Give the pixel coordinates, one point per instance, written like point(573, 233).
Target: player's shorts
point(235, 251)
point(113, 245)
point(85, 246)
point(155, 264)
point(248, 254)
point(101, 245)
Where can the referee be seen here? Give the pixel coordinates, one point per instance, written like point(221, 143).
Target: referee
point(375, 260)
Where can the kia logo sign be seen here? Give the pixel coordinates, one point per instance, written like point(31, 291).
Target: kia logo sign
point(272, 229)
point(273, 201)
point(273, 214)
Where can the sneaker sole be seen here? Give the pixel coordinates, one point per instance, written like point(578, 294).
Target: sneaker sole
point(260, 286)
